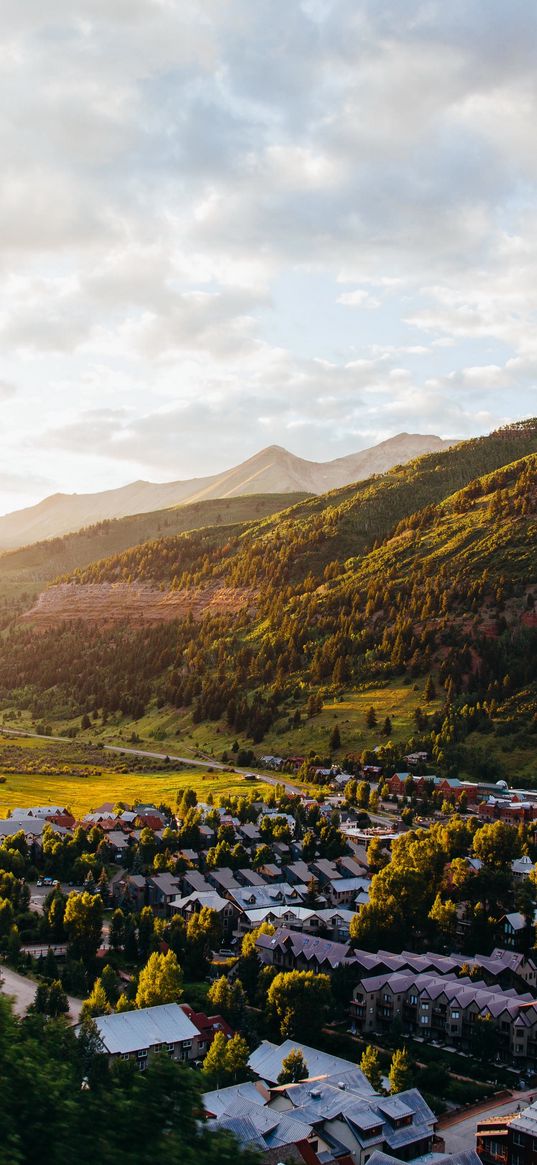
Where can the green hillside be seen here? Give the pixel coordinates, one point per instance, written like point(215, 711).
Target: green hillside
point(25, 571)
point(282, 549)
point(413, 593)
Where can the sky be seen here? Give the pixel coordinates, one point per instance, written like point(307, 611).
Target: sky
point(226, 224)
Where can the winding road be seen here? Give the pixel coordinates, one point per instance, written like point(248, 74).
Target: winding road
point(22, 991)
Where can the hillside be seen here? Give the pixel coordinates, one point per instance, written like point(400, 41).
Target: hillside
point(28, 569)
point(429, 571)
point(272, 470)
point(319, 532)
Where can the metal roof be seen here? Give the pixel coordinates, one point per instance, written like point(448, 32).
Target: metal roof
point(129, 1031)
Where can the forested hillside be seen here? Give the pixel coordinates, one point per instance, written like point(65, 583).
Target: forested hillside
point(324, 530)
point(427, 571)
point(23, 572)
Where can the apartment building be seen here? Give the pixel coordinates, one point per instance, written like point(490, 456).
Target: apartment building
point(446, 1008)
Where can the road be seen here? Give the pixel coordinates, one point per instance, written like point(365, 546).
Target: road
point(22, 990)
point(207, 762)
point(460, 1135)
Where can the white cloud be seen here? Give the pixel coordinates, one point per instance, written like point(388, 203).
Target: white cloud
point(358, 298)
point(191, 193)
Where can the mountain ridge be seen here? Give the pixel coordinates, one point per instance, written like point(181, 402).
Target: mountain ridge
point(271, 470)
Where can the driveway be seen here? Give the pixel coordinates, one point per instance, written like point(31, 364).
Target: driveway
point(22, 991)
point(460, 1135)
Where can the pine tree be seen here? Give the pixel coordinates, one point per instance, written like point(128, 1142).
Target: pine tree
point(335, 738)
point(214, 1065)
point(96, 1003)
point(161, 981)
point(430, 690)
point(371, 718)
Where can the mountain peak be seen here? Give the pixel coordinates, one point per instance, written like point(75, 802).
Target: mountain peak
point(273, 470)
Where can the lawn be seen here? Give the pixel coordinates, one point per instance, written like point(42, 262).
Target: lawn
point(83, 790)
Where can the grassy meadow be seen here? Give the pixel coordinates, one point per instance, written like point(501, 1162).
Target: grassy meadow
point(45, 776)
point(173, 731)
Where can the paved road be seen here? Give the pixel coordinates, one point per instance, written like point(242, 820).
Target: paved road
point(207, 762)
point(461, 1135)
point(23, 992)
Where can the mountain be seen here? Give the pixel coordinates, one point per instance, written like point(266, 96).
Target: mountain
point(26, 570)
point(273, 470)
point(346, 600)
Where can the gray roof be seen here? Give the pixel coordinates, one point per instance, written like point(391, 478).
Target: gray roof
point(129, 1031)
point(236, 1098)
point(33, 825)
point(267, 1060)
point(316, 950)
point(275, 894)
point(210, 898)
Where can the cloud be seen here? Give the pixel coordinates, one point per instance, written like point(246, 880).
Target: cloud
point(192, 193)
point(358, 298)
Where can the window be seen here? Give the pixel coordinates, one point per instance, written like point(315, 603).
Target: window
point(170, 1047)
point(142, 1053)
point(424, 1019)
point(125, 1056)
point(455, 1015)
point(424, 1006)
point(413, 1000)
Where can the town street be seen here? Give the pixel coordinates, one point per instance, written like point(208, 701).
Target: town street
point(22, 990)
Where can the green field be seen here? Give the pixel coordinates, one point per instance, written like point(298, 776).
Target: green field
point(176, 731)
point(167, 730)
point(81, 791)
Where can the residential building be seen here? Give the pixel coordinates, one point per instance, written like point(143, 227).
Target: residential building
point(510, 1139)
point(446, 1008)
point(342, 1118)
point(139, 1035)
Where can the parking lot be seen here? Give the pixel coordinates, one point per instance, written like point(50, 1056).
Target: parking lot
point(39, 893)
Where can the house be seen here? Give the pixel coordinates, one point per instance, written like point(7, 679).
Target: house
point(513, 812)
point(521, 868)
point(347, 891)
point(129, 890)
point(162, 889)
point(446, 1008)
point(249, 833)
point(32, 827)
point(516, 931)
point(228, 913)
point(222, 880)
point(249, 878)
point(274, 894)
point(139, 1035)
point(291, 951)
point(207, 1026)
point(194, 882)
point(119, 843)
point(346, 1115)
point(509, 1139)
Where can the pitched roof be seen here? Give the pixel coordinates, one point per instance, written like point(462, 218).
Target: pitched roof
point(129, 1031)
point(266, 1061)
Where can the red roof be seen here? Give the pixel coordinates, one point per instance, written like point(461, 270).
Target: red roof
point(207, 1025)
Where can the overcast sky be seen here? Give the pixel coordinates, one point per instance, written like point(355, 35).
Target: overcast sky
point(231, 223)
